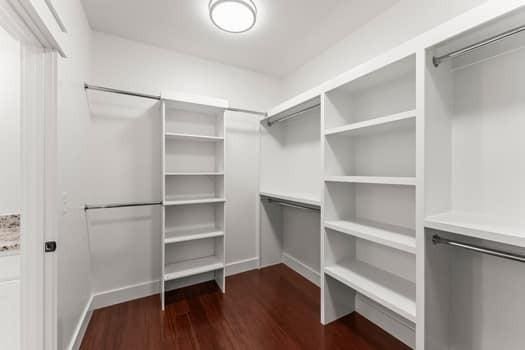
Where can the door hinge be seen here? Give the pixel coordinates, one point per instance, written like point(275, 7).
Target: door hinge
point(50, 246)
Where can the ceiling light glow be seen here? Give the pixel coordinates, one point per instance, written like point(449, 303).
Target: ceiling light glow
point(233, 16)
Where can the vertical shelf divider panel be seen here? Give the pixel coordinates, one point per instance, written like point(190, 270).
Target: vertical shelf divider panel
point(193, 191)
point(368, 234)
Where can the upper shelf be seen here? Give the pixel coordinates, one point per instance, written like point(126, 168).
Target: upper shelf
point(380, 124)
point(388, 235)
point(194, 201)
point(479, 226)
point(291, 108)
point(194, 103)
point(380, 180)
point(296, 198)
point(192, 137)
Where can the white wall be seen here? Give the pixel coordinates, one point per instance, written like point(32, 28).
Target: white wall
point(74, 287)
point(401, 22)
point(10, 191)
point(124, 155)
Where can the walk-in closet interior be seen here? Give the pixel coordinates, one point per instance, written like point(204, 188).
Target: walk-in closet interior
point(251, 174)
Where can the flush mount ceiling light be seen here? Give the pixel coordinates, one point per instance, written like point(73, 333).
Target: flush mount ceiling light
point(233, 16)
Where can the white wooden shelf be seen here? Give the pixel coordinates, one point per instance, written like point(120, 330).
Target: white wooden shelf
point(388, 235)
point(194, 201)
point(177, 236)
point(297, 198)
point(380, 180)
point(375, 125)
point(203, 173)
point(193, 137)
point(480, 226)
point(391, 291)
point(192, 267)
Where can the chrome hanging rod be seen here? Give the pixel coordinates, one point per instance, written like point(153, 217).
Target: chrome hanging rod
point(120, 205)
point(293, 115)
point(476, 248)
point(295, 205)
point(437, 60)
point(158, 97)
point(120, 92)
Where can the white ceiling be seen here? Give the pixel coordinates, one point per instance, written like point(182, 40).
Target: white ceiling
point(287, 33)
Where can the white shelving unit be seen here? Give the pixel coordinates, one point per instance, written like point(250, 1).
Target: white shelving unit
point(369, 199)
point(193, 191)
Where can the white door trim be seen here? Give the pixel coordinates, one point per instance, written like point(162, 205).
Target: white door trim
point(33, 200)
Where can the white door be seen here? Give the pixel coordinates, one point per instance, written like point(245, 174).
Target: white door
point(27, 185)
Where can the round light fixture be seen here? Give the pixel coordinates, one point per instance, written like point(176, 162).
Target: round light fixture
point(233, 16)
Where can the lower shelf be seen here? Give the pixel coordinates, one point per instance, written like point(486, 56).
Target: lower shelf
point(192, 267)
point(393, 292)
point(191, 235)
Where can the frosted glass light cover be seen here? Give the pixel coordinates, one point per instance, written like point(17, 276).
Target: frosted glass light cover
point(233, 16)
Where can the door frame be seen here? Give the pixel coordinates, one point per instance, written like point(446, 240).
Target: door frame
point(23, 20)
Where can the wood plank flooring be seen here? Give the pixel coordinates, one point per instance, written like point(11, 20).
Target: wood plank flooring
point(272, 308)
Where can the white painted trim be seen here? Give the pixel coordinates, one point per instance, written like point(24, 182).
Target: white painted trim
point(270, 264)
point(302, 269)
point(387, 320)
point(80, 329)
point(51, 200)
point(44, 20)
point(33, 198)
point(123, 294)
point(240, 266)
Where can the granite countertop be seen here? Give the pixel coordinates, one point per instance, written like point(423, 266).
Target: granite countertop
point(9, 232)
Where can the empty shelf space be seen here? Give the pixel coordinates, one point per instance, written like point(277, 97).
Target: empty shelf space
point(195, 173)
point(297, 198)
point(393, 292)
point(377, 124)
point(193, 137)
point(177, 236)
point(480, 226)
point(192, 267)
point(380, 180)
point(388, 235)
point(193, 201)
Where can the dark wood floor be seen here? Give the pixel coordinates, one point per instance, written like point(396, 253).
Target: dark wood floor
point(273, 308)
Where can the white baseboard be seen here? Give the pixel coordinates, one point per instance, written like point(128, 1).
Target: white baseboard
point(302, 269)
point(80, 330)
point(390, 322)
point(127, 293)
point(141, 290)
point(240, 266)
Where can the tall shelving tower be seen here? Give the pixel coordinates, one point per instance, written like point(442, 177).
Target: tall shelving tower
point(193, 191)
